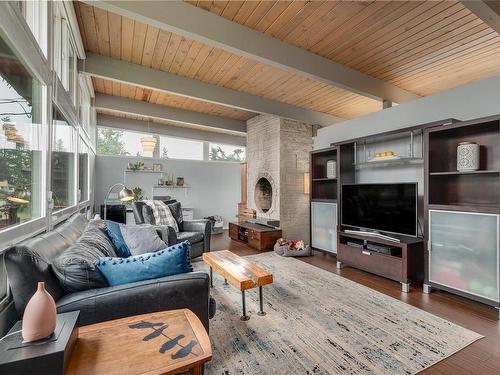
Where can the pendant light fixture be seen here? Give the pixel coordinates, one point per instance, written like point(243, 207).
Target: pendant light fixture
point(149, 142)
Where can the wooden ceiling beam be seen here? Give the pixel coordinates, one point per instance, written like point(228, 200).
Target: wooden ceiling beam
point(117, 70)
point(487, 11)
point(184, 19)
point(176, 115)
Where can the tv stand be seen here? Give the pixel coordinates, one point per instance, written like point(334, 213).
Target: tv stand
point(373, 234)
point(401, 261)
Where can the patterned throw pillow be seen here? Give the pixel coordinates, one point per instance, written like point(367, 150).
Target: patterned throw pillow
point(75, 268)
point(173, 260)
point(162, 214)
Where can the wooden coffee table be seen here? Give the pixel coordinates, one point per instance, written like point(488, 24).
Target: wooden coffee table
point(240, 273)
point(167, 342)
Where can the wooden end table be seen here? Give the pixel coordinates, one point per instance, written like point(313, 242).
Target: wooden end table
point(240, 272)
point(167, 342)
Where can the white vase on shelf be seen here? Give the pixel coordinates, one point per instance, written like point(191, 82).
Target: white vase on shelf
point(467, 156)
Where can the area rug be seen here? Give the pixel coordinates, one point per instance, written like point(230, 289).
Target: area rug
point(320, 323)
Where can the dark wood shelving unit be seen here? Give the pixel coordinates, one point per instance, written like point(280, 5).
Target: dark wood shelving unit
point(457, 173)
point(322, 187)
point(447, 186)
point(323, 200)
point(461, 211)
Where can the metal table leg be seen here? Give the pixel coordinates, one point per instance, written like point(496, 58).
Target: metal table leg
point(244, 317)
point(225, 281)
point(261, 300)
point(211, 278)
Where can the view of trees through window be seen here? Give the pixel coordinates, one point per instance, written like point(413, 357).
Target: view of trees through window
point(21, 144)
point(226, 153)
point(126, 143)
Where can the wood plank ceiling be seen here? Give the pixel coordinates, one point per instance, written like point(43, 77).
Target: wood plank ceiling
point(423, 47)
point(156, 97)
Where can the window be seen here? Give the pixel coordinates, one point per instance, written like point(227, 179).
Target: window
point(177, 148)
point(222, 152)
point(121, 142)
point(84, 106)
point(35, 13)
point(83, 171)
point(23, 142)
point(63, 163)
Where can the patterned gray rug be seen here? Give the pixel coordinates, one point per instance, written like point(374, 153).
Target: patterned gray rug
point(320, 323)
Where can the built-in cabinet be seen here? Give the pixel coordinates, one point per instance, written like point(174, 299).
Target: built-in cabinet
point(324, 226)
point(323, 195)
point(463, 252)
point(463, 211)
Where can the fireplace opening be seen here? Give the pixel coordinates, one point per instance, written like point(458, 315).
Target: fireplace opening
point(263, 194)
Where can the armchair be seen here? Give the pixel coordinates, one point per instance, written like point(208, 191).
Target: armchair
point(197, 232)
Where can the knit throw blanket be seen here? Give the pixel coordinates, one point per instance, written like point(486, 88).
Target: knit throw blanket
point(162, 214)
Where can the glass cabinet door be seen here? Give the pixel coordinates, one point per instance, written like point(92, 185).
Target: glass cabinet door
point(463, 252)
point(324, 226)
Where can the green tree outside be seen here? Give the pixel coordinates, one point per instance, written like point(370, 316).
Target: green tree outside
point(109, 142)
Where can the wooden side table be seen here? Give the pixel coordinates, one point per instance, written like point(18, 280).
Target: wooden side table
point(167, 342)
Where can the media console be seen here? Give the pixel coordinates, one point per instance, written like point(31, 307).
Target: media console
point(401, 261)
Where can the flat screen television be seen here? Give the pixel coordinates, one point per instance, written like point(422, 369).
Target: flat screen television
point(390, 208)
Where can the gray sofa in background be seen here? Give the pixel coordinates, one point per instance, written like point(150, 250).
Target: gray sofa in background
point(197, 232)
point(29, 262)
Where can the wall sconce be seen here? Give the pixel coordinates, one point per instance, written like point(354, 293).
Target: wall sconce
point(306, 182)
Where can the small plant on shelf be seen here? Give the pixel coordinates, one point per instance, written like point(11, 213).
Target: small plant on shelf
point(138, 194)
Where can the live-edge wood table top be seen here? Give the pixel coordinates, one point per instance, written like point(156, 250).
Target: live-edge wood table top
point(238, 271)
point(165, 342)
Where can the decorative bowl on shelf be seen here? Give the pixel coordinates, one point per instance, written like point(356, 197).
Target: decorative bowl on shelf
point(384, 158)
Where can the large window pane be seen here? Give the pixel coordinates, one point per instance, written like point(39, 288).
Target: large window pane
point(226, 152)
point(121, 142)
point(83, 171)
point(176, 148)
point(22, 143)
point(63, 163)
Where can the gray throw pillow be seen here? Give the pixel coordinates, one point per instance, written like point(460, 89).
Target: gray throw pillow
point(75, 268)
point(141, 239)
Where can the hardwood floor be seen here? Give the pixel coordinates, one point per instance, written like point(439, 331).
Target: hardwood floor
point(482, 357)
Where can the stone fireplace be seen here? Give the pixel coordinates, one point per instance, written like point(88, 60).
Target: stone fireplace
point(277, 158)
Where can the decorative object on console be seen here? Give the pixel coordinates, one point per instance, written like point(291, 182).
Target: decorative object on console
point(49, 356)
point(180, 181)
point(467, 156)
point(157, 167)
point(39, 319)
point(331, 169)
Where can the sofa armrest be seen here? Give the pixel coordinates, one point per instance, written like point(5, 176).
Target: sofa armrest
point(188, 290)
point(167, 234)
point(200, 225)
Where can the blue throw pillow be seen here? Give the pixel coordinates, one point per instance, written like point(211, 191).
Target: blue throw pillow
point(173, 260)
point(115, 235)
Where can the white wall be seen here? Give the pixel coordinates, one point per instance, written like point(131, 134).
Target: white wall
point(475, 100)
point(214, 186)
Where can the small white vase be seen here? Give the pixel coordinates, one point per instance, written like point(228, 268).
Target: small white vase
point(467, 156)
point(39, 319)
